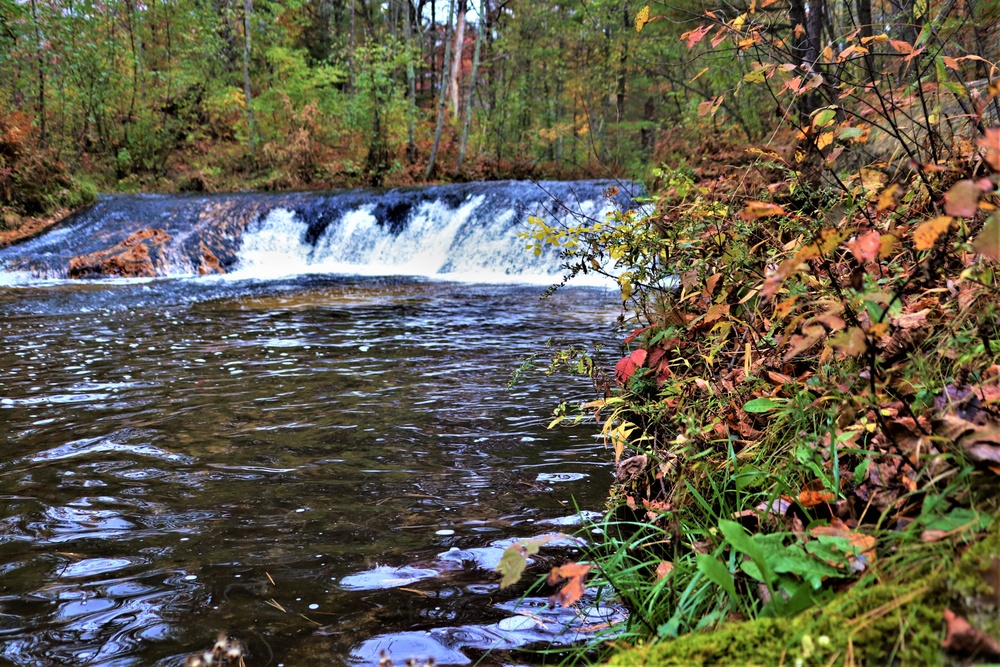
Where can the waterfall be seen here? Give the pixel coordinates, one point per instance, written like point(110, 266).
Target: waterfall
point(466, 232)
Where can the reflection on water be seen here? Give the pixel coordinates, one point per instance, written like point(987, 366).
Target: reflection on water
point(321, 467)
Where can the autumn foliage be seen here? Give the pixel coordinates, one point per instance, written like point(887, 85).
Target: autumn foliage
point(809, 385)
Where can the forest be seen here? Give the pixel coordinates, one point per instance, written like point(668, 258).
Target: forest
point(803, 416)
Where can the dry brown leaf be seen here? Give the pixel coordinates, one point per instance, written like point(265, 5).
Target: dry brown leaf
point(912, 320)
point(962, 637)
point(813, 498)
point(575, 576)
point(664, 569)
point(800, 343)
point(862, 543)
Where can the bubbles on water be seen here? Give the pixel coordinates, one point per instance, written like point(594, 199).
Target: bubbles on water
point(556, 477)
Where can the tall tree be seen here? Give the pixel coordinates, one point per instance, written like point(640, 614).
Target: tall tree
point(442, 93)
point(251, 122)
point(480, 27)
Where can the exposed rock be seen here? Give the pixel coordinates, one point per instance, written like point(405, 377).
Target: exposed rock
point(134, 257)
point(209, 262)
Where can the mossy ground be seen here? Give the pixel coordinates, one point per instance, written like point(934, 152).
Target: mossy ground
point(880, 621)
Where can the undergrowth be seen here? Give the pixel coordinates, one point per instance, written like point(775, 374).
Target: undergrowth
point(805, 417)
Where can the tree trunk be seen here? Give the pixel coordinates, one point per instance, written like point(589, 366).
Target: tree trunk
point(798, 39)
point(411, 84)
point(480, 27)
point(251, 123)
point(41, 72)
point(442, 91)
point(350, 46)
point(648, 134)
point(456, 68)
point(864, 9)
point(622, 61)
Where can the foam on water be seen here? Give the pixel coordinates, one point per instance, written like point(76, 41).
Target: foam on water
point(461, 233)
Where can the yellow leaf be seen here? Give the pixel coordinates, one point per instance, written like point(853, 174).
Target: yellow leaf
point(886, 246)
point(824, 140)
point(872, 179)
point(887, 199)
point(642, 18)
point(759, 209)
point(927, 233)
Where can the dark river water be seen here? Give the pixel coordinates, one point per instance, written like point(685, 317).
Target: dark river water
point(320, 467)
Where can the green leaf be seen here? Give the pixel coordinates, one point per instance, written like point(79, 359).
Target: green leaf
point(716, 572)
point(825, 117)
point(961, 519)
point(515, 559)
point(762, 405)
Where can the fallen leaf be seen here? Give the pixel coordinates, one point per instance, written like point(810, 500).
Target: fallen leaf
point(664, 569)
point(962, 637)
point(813, 498)
point(862, 545)
point(981, 443)
point(759, 209)
point(575, 576)
point(872, 179)
point(888, 198)
point(800, 343)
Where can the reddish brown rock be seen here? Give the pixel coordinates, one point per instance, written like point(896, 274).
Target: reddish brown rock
point(209, 262)
point(132, 258)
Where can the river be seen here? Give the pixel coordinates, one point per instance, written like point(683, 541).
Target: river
point(318, 463)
